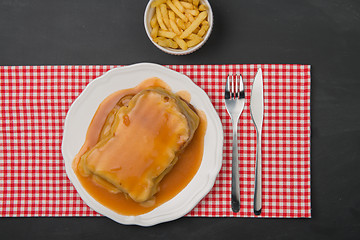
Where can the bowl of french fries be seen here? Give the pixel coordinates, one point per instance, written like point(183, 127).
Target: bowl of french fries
point(178, 27)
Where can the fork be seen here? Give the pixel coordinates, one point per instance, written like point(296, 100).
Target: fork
point(234, 102)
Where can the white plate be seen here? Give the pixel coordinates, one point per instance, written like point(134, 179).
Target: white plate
point(83, 109)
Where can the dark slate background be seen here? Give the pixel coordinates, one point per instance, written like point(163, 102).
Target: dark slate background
point(323, 33)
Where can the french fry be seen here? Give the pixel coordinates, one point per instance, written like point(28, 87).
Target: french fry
point(171, 15)
point(168, 43)
point(153, 21)
point(176, 11)
point(202, 7)
point(203, 30)
point(157, 3)
point(193, 12)
point(172, 43)
point(193, 36)
point(189, 16)
point(180, 23)
point(165, 15)
point(187, 5)
point(193, 42)
point(196, 30)
point(179, 6)
point(174, 27)
point(196, 2)
point(159, 18)
point(166, 34)
point(181, 43)
point(157, 39)
point(163, 43)
point(204, 22)
point(194, 25)
point(154, 31)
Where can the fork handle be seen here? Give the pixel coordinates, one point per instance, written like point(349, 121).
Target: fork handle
point(257, 189)
point(235, 183)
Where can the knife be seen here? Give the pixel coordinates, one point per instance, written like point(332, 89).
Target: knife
point(257, 115)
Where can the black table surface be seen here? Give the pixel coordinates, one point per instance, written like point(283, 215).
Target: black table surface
point(323, 33)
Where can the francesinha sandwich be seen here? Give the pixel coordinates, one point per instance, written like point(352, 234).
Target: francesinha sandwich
point(140, 142)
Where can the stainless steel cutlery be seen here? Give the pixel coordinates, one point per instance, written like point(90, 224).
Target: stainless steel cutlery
point(234, 103)
point(257, 115)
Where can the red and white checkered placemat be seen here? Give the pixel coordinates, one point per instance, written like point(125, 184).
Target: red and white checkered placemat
point(34, 101)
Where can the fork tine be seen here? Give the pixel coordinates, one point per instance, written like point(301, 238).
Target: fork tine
point(241, 87)
point(236, 86)
point(232, 86)
point(227, 88)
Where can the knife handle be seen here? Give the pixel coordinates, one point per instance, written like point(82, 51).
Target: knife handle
point(258, 170)
point(235, 182)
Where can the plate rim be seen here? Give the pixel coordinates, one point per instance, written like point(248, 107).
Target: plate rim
point(146, 219)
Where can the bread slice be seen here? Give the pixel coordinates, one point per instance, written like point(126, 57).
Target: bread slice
point(140, 143)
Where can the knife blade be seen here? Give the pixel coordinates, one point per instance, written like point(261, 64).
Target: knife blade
point(257, 115)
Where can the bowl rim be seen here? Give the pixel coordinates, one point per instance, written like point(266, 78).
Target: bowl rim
point(180, 51)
